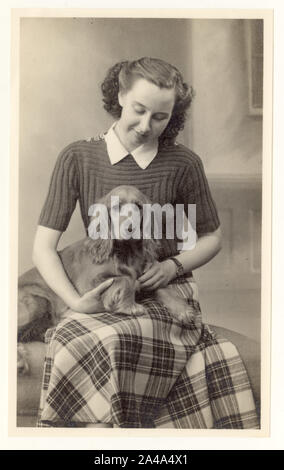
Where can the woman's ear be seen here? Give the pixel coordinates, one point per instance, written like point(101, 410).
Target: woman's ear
point(121, 98)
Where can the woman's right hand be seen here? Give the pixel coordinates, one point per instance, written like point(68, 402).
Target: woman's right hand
point(49, 264)
point(91, 301)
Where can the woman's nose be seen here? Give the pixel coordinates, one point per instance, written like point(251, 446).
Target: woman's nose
point(145, 124)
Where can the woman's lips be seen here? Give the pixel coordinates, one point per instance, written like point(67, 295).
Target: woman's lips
point(139, 136)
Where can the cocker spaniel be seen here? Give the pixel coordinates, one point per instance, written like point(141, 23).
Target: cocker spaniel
point(87, 263)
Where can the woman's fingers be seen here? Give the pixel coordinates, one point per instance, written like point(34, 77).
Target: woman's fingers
point(145, 277)
point(156, 285)
point(148, 274)
point(154, 277)
point(153, 280)
point(102, 287)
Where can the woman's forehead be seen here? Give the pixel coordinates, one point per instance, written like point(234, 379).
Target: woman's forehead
point(150, 95)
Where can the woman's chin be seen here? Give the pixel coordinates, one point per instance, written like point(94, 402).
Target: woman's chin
point(139, 138)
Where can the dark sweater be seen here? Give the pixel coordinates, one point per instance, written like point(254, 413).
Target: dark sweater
point(83, 172)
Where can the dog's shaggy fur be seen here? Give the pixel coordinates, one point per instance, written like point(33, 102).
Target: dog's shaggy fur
point(87, 263)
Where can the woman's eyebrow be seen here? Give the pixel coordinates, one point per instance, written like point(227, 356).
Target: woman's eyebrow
point(139, 104)
point(145, 107)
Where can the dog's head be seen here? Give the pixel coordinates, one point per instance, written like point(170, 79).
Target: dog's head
point(120, 238)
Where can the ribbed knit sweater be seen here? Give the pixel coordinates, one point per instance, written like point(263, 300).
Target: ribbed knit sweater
point(83, 173)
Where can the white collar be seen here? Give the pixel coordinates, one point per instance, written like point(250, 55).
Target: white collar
point(143, 155)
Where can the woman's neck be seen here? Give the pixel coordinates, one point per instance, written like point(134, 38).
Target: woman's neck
point(122, 140)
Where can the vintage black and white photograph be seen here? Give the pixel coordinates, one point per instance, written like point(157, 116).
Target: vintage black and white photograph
point(140, 222)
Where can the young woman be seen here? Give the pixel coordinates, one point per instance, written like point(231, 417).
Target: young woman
point(149, 100)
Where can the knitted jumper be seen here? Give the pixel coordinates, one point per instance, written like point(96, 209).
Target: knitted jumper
point(83, 173)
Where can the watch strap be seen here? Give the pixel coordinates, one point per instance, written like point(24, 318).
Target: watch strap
point(180, 270)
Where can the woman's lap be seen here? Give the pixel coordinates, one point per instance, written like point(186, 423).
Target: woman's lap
point(148, 371)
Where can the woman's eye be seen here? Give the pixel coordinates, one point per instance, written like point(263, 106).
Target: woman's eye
point(159, 118)
point(139, 110)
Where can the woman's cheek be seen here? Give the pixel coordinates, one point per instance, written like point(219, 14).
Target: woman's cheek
point(160, 128)
point(133, 120)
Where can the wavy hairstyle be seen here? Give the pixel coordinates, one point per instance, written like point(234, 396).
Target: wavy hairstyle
point(121, 76)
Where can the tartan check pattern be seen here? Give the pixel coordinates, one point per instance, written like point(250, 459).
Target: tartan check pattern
point(144, 372)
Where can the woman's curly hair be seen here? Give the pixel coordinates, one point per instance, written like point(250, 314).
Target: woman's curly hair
point(120, 77)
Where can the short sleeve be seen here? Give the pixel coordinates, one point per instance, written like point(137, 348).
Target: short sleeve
point(62, 193)
point(195, 190)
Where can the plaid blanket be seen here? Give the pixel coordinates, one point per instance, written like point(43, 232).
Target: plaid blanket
point(144, 372)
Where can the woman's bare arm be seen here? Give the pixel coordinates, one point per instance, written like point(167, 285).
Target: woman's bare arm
point(48, 262)
point(207, 246)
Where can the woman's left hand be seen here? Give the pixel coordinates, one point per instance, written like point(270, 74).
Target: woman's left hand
point(159, 274)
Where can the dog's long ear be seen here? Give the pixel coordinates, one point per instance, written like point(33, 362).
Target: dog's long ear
point(100, 250)
point(150, 249)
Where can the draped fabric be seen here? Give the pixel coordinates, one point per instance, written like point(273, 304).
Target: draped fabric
point(145, 372)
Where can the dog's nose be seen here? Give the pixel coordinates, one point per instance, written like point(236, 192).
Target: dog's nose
point(126, 231)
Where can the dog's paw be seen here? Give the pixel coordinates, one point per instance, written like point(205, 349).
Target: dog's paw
point(138, 309)
point(134, 310)
point(22, 360)
point(188, 316)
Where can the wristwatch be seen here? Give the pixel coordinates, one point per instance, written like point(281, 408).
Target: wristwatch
point(180, 270)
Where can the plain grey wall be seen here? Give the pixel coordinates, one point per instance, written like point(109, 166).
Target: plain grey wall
point(62, 63)
point(227, 137)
